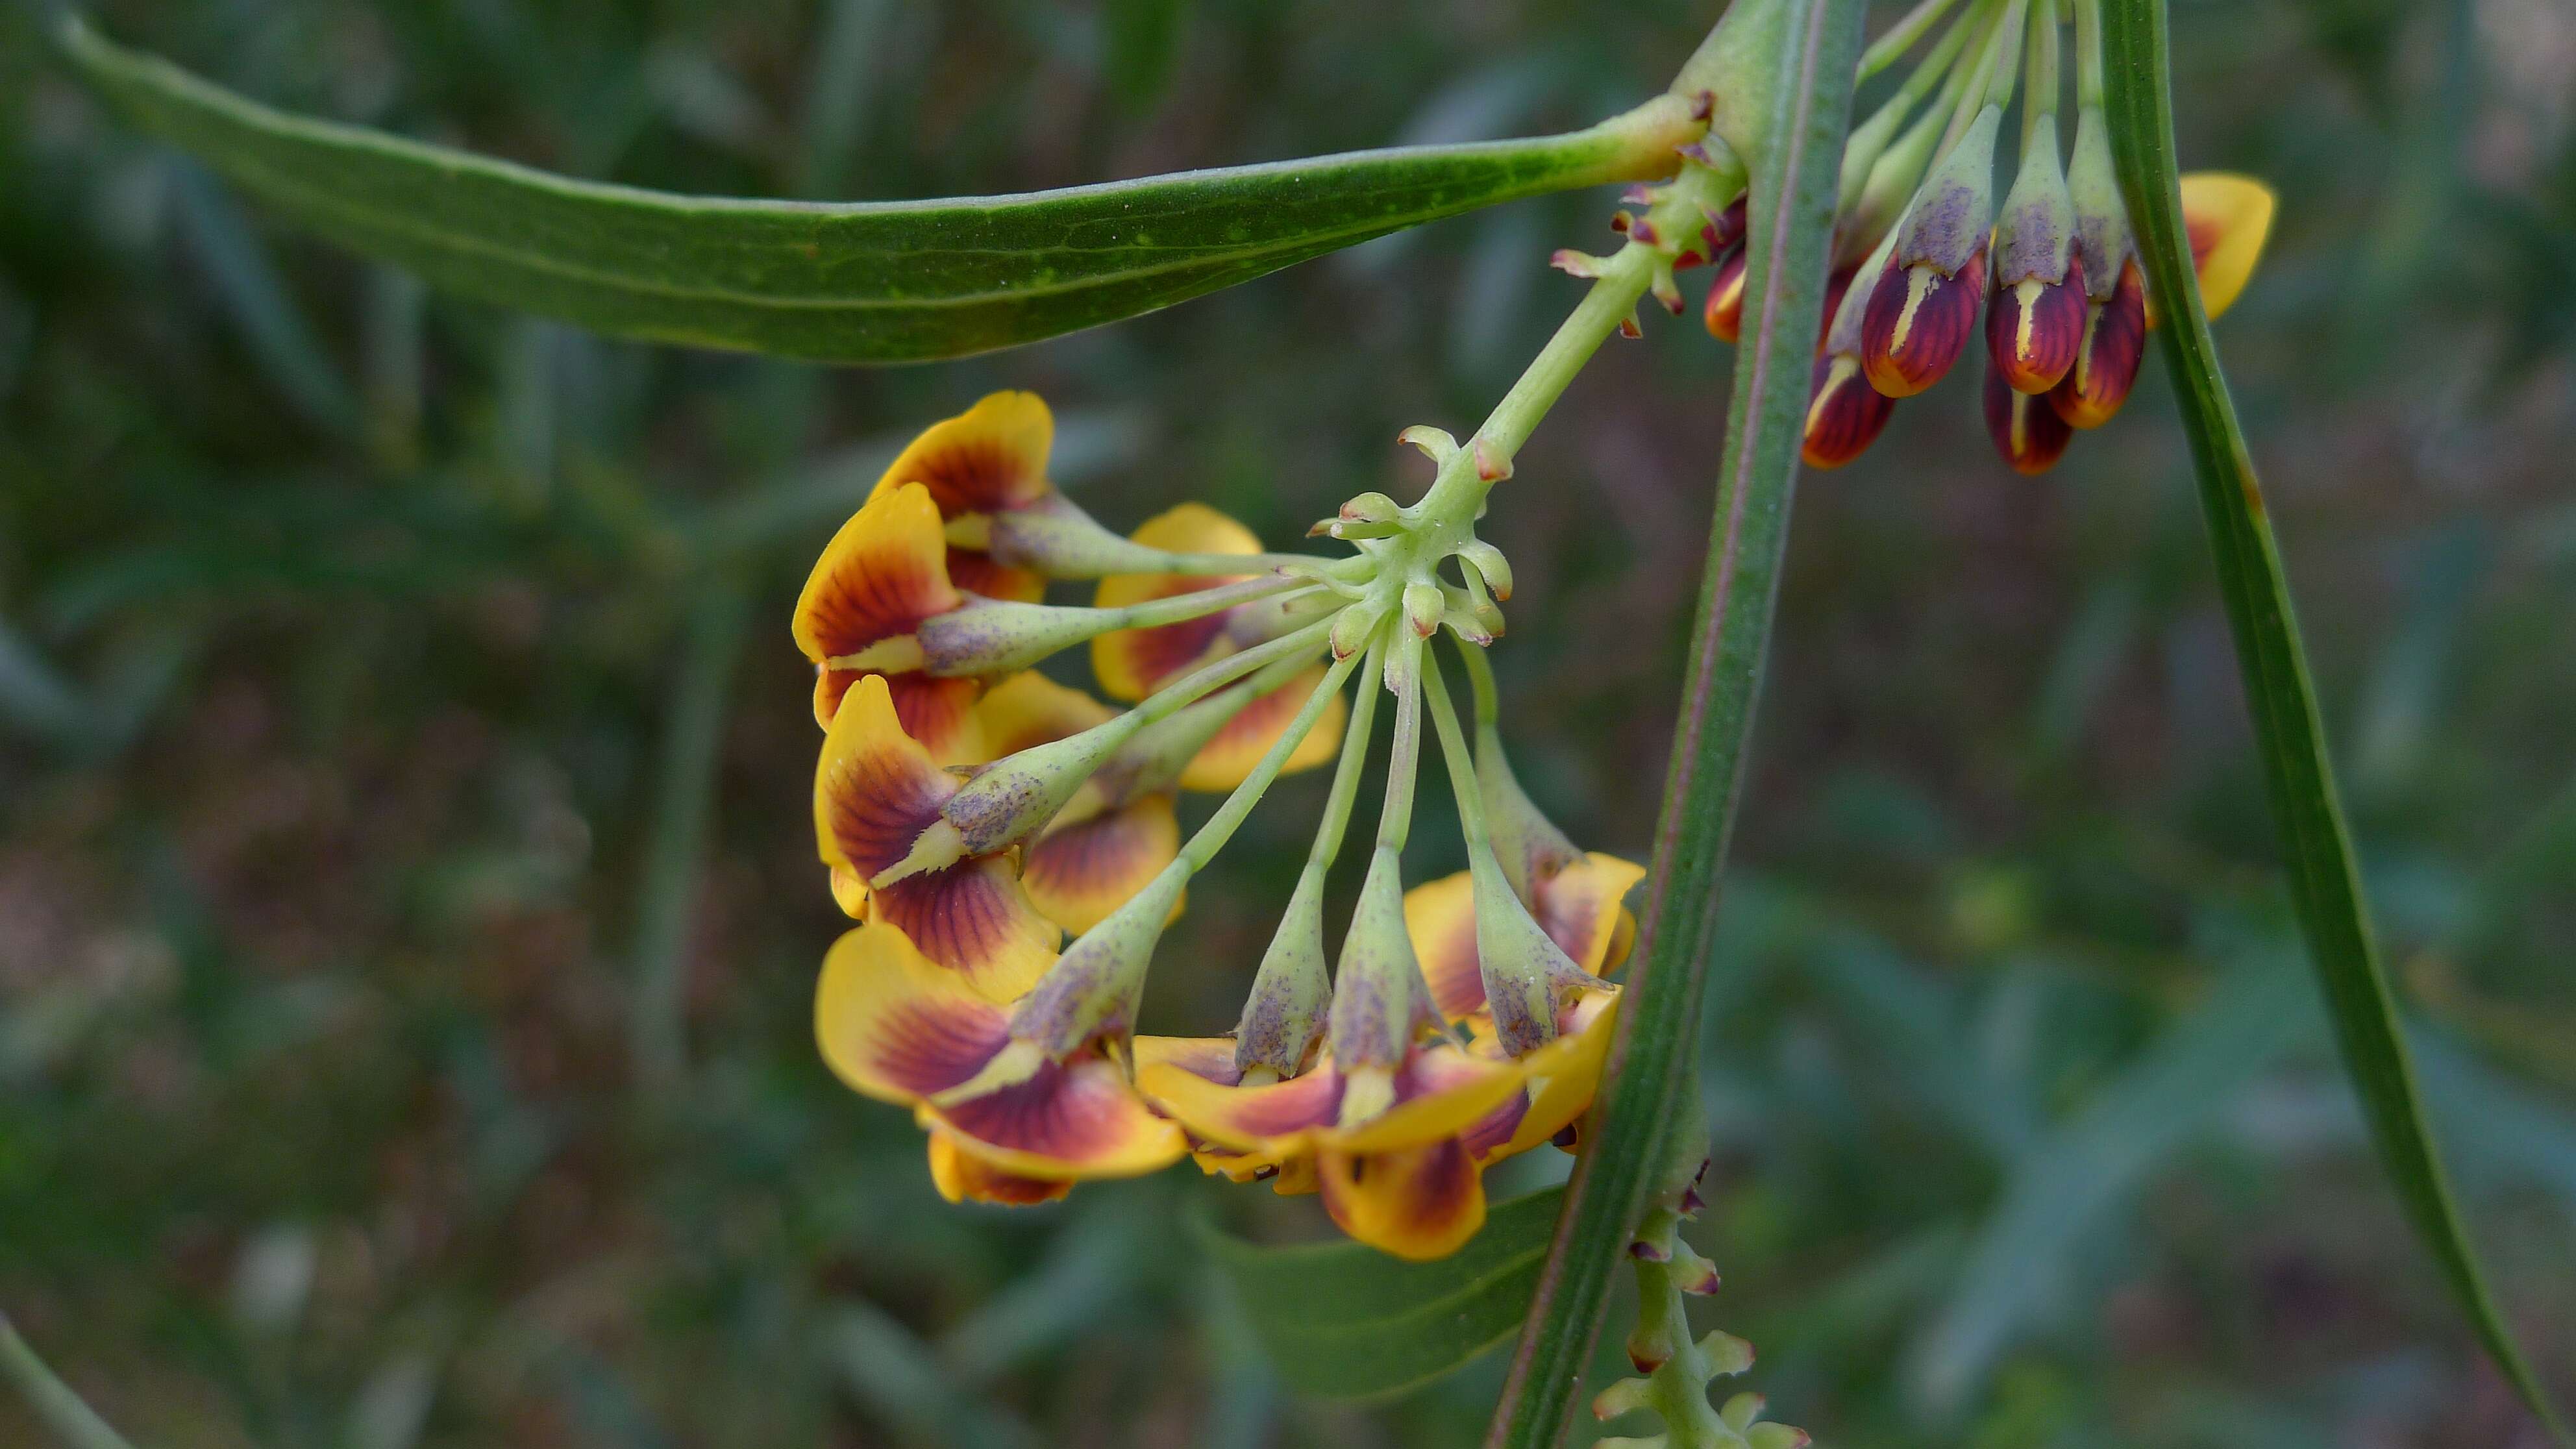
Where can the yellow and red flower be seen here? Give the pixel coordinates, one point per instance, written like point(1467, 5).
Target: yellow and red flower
point(876, 791)
point(1009, 1121)
point(1132, 663)
point(1110, 840)
point(879, 580)
point(988, 460)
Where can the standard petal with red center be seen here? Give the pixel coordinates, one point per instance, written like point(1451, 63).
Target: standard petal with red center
point(876, 789)
point(988, 458)
point(961, 1176)
point(1076, 874)
point(1225, 760)
point(1420, 1202)
point(2227, 218)
point(1078, 1118)
point(896, 1027)
point(1132, 662)
point(881, 575)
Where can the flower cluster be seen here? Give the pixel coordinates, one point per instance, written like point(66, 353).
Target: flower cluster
point(1920, 245)
point(974, 813)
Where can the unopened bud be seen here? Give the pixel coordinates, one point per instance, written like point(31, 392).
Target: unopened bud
point(1422, 607)
point(1844, 413)
point(1575, 264)
point(1488, 561)
point(1726, 1354)
point(1352, 628)
point(1724, 314)
point(1918, 323)
point(1371, 508)
point(2036, 317)
point(1493, 465)
point(2106, 361)
point(1740, 1412)
point(2026, 430)
point(1435, 443)
point(1776, 1436)
point(1624, 1397)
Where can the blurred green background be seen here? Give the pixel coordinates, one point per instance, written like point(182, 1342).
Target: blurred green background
point(408, 914)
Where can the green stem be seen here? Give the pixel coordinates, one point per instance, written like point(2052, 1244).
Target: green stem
point(2088, 54)
point(60, 1409)
point(1462, 765)
point(1900, 37)
point(1404, 750)
point(1199, 603)
point(1790, 220)
point(1352, 761)
point(1220, 827)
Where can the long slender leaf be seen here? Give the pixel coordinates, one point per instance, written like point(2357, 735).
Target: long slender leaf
point(1789, 217)
point(2093, 1162)
point(854, 282)
point(55, 1404)
point(2324, 882)
point(1343, 1320)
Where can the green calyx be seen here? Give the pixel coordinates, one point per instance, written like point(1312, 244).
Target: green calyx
point(1093, 989)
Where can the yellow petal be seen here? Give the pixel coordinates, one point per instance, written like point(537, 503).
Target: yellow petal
point(883, 573)
point(1439, 1092)
point(973, 918)
point(990, 457)
point(1077, 874)
point(1579, 906)
point(1131, 662)
point(896, 1027)
point(977, 573)
point(1440, 916)
point(1224, 761)
point(1419, 1202)
point(2227, 217)
point(1564, 1074)
point(1074, 1119)
point(961, 1176)
point(875, 787)
point(1030, 709)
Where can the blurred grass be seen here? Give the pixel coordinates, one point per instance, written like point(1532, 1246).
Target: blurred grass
point(382, 804)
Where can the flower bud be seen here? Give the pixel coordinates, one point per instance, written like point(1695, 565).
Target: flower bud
point(1724, 314)
point(1727, 1355)
point(1923, 305)
point(1352, 628)
point(2036, 317)
point(2106, 361)
point(1092, 990)
point(1776, 1436)
point(1844, 415)
point(2026, 429)
point(1290, 994)
point(1722, 231)
point(1423, 606)
point(1489, 563)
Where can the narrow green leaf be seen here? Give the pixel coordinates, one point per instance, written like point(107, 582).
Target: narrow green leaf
point(1343, 1320)
point(1806, 107)
point(2092, 1163)
point(850, 282)
point(56, 1406)
point(2324, 882)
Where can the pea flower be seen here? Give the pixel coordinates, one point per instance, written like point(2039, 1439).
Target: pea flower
point(1923, 248)
point(969, 838)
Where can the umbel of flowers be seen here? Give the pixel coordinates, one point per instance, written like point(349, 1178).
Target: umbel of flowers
point(1922, 247)
point(1010, 849)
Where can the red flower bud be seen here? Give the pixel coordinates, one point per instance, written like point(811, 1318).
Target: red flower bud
point(2026, 430)
point(1844, 414)
point(2033, 328)
point(1919, 321)
point(1725, 311)
point(1724, 229)
point(2106, 362)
